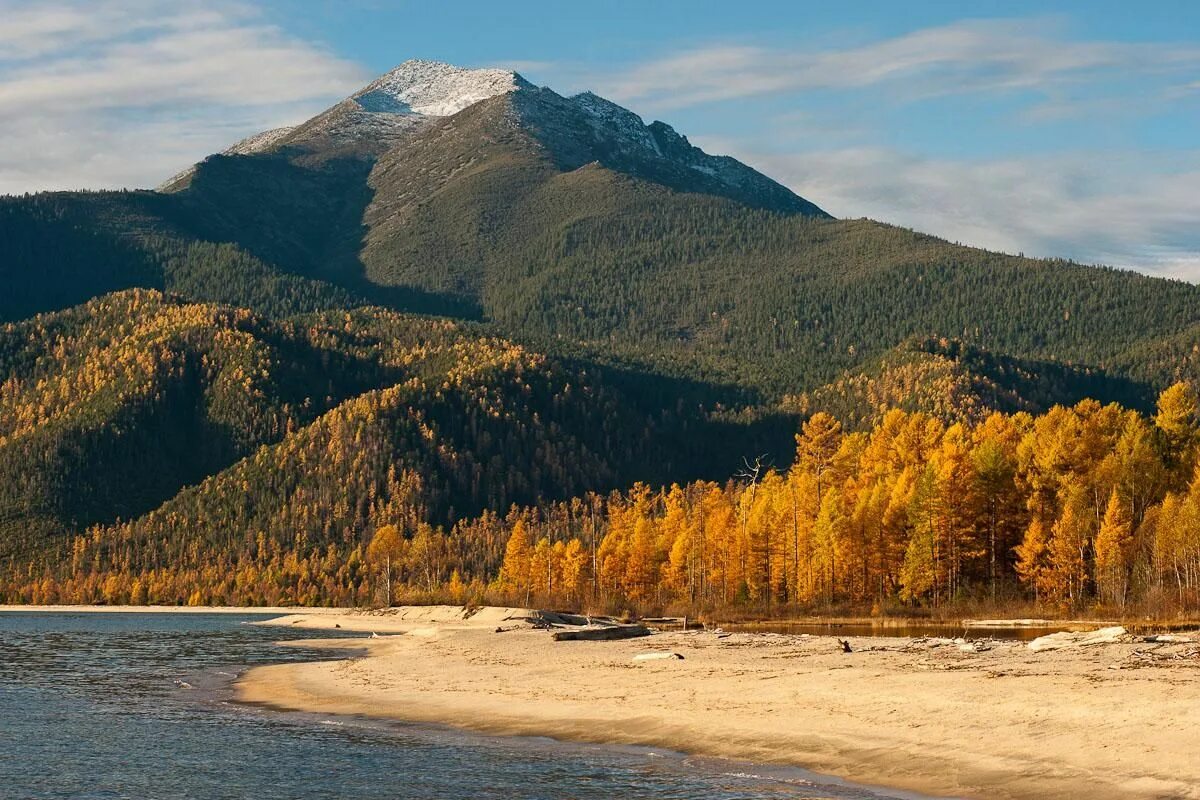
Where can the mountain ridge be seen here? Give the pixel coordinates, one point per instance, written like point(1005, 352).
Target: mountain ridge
point(413, 96)
point(452, 292)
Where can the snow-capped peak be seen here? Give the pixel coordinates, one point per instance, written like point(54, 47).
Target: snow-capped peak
point(435, 89)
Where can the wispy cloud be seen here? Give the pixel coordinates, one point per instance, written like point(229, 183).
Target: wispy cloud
point(106, 93)
point(971, 56)
point(1130, 213)
point(831, 139)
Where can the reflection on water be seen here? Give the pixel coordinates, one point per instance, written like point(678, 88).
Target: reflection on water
point(137, 706)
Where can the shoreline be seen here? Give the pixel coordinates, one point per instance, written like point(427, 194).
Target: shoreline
point(763, 770)
point(880, 622)
point(933, 717)
point(12, 608)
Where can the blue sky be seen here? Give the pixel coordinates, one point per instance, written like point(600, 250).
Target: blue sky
point(1065, 128)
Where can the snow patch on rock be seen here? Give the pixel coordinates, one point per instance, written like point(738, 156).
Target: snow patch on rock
point(435, 89)
point(616, 121)
point(258, 142)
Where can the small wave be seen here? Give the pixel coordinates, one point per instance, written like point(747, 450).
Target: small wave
point(752, 776)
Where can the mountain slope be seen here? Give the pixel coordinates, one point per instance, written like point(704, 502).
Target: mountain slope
point(112, 409)
point(230, 365)
point(955, 382)
point(569, 224)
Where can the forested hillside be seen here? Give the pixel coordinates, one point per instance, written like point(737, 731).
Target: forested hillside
point(1083, 506)
point(389, 318)
point(954, 381)
point(113, 408)
point(497, 214)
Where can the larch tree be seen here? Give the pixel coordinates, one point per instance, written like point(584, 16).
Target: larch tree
point(515, 579)
point(1114, 544)
point(1178, 419)
point(385, 551)
point(1069, 542)
point(1032, 557)
point(920, 571)
point(995, 470)
point(829, 535)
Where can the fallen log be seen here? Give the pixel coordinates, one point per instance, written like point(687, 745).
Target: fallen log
point(601, 633)
point(1067, 639)
point(1172, 638)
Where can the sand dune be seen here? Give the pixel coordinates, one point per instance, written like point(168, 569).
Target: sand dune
point(1105, 721)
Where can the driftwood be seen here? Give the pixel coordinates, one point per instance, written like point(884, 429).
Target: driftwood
point(1163, 655)
point(1066, 639)
point(1172, 638)
point(601, 633)
point(657, 656)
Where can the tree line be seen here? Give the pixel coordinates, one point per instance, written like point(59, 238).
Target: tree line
point(1084, 506)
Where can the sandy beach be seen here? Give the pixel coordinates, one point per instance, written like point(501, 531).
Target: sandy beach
point(995, 719)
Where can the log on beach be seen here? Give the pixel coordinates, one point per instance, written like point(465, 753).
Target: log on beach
point(601, 633)
point(1069, 639)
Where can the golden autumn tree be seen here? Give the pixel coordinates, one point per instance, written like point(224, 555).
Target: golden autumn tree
point(958, 506)
point(680, 541)
point(385, 551)
point(817, 444)
point(1134, 465)
point(573, 562)
point(1070, 539)
point(1001, 505)
point(919, 575)
point(424, 557)
point(829, 539)
point(642, 566)
point(542, 569)
point(1178, 419)
point(515, 579)
point(1033, 557)
point(1176, 549)
point(1114, 545)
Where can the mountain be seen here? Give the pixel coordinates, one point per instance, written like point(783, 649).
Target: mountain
point(454, 291)
point(399, 110)
point(569, 224)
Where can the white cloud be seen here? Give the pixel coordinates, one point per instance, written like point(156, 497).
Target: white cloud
point(1121, 205)
point(971, 56)
point(112, 94)
point(1123, 210)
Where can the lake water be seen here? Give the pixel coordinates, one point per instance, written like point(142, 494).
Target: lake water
point(107, 706)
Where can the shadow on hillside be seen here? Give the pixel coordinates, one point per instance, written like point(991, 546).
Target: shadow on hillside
point(702, 430)
point(305, 219)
